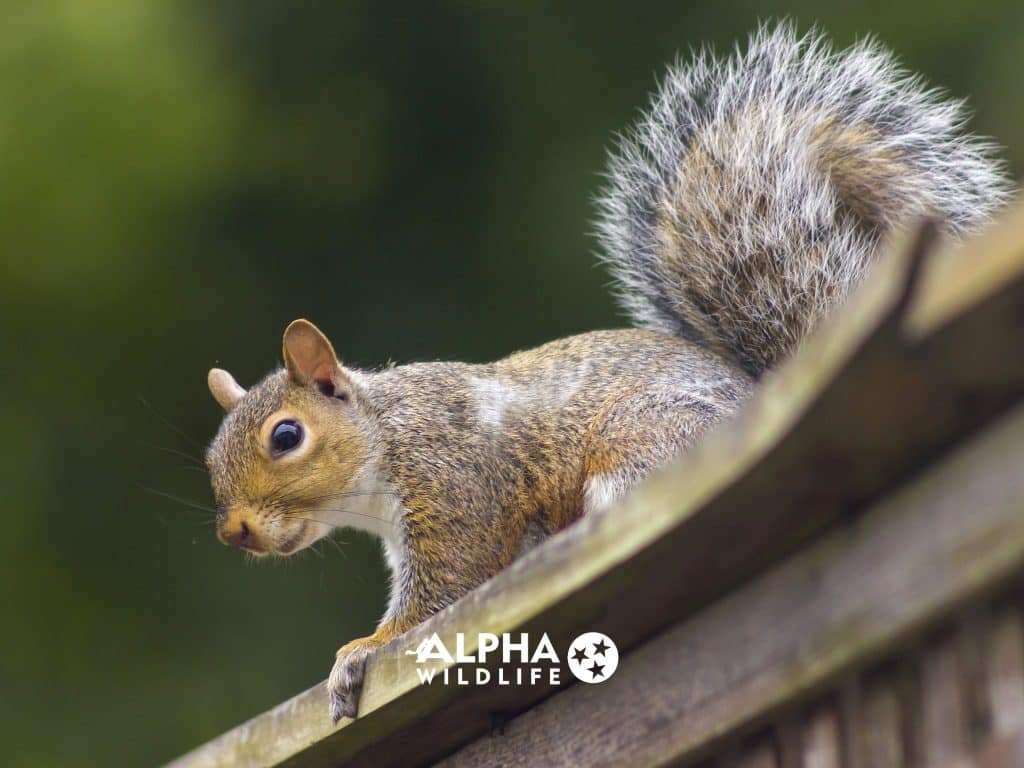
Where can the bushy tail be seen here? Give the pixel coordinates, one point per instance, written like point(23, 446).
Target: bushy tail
point(755, 192)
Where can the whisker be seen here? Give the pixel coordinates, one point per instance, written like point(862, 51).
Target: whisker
point(168, 423)
point(278, 494)
point(341, 549)
point(335, 543)
point(336, 511)
point(179, 499)
point(190, 468)
point(336, 495)
point(281, 497)
point(307, 519)
point(172, 451)
point(316, 551)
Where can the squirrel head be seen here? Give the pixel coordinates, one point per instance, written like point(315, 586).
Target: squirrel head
point(287, 448)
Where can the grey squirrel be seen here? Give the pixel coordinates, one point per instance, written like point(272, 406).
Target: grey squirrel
point(744, 206)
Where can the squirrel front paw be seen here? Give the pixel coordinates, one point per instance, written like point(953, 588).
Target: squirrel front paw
point(346, 680)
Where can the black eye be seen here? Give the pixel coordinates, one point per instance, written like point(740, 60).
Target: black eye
point(286, 435)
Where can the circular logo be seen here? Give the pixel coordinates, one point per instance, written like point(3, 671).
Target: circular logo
point(593, 657)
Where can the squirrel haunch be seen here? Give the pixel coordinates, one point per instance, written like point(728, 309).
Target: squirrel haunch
point(745, 206)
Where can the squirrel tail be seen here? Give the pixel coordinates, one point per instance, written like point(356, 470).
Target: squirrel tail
point(755, 192)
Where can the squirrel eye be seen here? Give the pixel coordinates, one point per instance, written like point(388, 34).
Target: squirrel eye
point(286, 435)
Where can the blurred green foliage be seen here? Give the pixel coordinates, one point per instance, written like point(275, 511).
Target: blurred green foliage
point(179, 179)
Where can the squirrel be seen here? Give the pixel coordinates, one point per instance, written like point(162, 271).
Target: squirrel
point(745, 205)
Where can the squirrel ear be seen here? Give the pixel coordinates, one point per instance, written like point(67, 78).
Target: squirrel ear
point(310, 359)
point(225, 390)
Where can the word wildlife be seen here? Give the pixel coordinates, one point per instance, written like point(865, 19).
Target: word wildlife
point(541, 665)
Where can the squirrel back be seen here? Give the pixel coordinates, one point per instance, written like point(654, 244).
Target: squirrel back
point(756, 191)
point(746, 205)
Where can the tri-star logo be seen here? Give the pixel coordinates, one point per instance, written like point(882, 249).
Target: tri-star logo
point(593, 657)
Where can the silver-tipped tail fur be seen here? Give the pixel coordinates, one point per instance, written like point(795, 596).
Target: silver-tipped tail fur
point(755, 192)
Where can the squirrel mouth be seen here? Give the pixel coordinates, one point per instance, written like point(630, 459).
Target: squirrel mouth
point(290, 544)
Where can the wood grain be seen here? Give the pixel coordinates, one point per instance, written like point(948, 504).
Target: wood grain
point(822, 743)
point(883, 726)
point(859, 594)
point(943, 706)
point(1006, 673)
point(907, 370)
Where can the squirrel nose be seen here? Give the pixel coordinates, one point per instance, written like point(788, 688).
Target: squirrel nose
point(235, 534)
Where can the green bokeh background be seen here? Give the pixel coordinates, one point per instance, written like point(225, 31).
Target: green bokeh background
point(179, 179)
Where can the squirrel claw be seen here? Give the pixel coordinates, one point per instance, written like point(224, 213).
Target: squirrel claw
point(346, 680)
point(342, 705)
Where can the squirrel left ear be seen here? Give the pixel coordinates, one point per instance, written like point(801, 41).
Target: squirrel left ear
point(225, 390)
point(310, 359)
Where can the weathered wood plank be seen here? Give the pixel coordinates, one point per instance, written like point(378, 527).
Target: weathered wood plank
point(943, 706)
point(865, 403)
point(883, 724)
point(822, 743)
point(971, 637)
point(863, 591)
point(1006, 673)
point(1007, 751)
point(761, 755)
point(851, 714)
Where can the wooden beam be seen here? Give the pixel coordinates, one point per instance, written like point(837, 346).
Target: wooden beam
point(906, 370)
point(855, 595)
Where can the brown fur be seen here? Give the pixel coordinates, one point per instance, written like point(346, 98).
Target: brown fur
point(482, 460)
point(746, 205)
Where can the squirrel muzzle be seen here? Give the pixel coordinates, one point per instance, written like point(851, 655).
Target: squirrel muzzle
point(249, 530)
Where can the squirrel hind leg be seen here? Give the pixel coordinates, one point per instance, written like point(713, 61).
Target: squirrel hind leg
point(636, 434)
point(534, 534)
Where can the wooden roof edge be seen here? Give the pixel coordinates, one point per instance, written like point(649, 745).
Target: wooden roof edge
point(879, 391)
